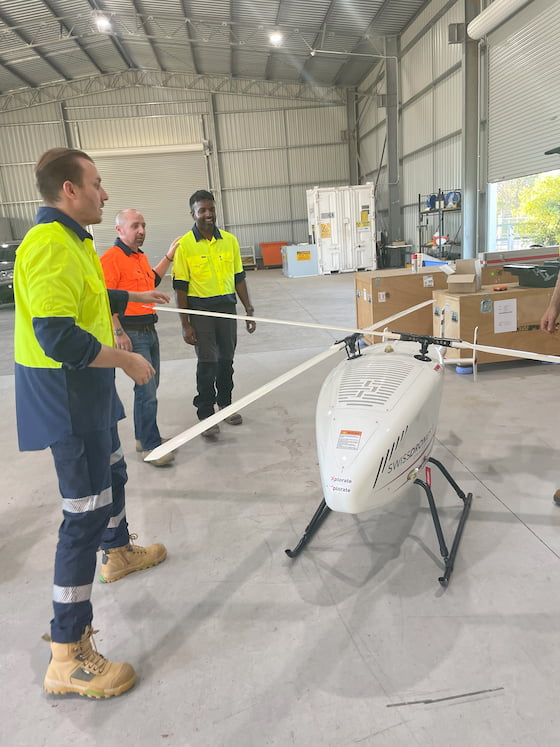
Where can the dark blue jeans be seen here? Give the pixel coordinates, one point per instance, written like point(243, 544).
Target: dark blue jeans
point(146, 343)
point(91, 476)
point(216, 342)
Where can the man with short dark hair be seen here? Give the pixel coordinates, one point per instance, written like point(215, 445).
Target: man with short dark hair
point(126, 267)
point(65, 363)
point(208, 275)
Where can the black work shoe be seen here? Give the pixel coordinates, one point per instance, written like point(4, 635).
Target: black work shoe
point(233, 419)
point(211, 432)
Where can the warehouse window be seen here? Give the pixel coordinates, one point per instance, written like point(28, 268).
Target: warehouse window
point(524, 212)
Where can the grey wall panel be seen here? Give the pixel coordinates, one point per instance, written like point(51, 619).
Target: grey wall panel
point(142, 132)
point(418, 124)
point(257, 206)
point(19, 218)
point(251, 130)
point(18, 183)
point(143, 102)
point(416, 68)
point(447, 163)
point(321, 164)
point(417, 176)
point(27, 142)
point(318, 125)
point(423, 20)
point(410, 226)
point(253, 168)
point(44, 113)
point(446, 55)
point(237, 103)
point(447, 114)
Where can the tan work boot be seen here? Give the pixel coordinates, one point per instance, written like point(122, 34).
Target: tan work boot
point(139, 447)
point(79, 668)
point(163, 461)
point(120, 561)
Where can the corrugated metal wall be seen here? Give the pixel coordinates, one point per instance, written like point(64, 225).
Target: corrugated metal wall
point(268, 156)
point(263, 152)
point(429, 147)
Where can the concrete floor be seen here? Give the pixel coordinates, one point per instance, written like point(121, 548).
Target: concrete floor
point(355, 642)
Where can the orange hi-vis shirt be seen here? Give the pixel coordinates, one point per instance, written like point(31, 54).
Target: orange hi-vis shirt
point(131, 271)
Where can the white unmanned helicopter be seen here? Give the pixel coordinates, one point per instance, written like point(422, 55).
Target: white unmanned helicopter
point(376, 420)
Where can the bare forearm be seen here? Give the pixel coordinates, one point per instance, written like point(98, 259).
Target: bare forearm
point(243, 293)
point(134, 365)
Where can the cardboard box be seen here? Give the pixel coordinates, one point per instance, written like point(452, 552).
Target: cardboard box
point(383, 293)
point(508, 319)
point(467, 277)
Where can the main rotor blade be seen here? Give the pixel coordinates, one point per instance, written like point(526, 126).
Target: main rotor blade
point(512, 353)
point(197, 429)
point(310, 325)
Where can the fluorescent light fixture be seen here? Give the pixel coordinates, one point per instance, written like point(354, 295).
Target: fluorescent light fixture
point(103, 23)
point(276, 38)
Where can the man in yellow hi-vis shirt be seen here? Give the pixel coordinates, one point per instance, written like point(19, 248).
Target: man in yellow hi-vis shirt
point(207, 275)
point(66, 399)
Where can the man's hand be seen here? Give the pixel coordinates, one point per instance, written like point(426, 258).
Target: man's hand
point(251, 326)
point(548, 320)
point(151, 296)
point(189, 334)
point(173, 247)
point(138, 368)
point(123, 342)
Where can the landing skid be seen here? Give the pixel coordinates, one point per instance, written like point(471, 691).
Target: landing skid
point(448, 557)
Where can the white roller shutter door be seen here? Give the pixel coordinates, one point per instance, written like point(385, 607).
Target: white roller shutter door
point(524, 92)
point(156, 183)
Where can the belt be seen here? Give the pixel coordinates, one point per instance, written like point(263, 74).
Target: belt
point(140, 327)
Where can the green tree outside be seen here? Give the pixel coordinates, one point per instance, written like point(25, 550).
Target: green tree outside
point(539, 206)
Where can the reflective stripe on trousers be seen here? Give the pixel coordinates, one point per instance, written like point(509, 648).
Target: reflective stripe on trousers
point(91, 474)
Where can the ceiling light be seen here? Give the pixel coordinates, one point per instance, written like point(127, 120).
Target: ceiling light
point(276, 38)
point(103, 23)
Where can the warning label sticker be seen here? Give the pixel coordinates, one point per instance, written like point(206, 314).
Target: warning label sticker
point(349, 440)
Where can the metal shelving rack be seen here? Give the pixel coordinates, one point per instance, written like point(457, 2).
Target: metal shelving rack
point(438, 204)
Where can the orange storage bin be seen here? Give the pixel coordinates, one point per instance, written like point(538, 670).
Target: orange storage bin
point(272, 253)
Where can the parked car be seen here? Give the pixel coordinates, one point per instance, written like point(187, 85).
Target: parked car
point(7, 260)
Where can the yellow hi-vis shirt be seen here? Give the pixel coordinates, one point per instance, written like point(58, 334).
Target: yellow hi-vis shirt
point(59, 290)
point(209, 267)
point(58, 275)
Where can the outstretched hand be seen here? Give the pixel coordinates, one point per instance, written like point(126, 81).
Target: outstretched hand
point(151, 296)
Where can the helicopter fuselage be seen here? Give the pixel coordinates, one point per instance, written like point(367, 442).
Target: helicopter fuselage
point(376, 423)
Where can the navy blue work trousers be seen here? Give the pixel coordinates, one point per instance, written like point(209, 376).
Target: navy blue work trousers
point(91, 474)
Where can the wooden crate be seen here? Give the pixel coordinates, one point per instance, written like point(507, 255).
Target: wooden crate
point(492, 311)
point(382, 293)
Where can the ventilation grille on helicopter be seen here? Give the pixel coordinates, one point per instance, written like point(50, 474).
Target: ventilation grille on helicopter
point(373, 382)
